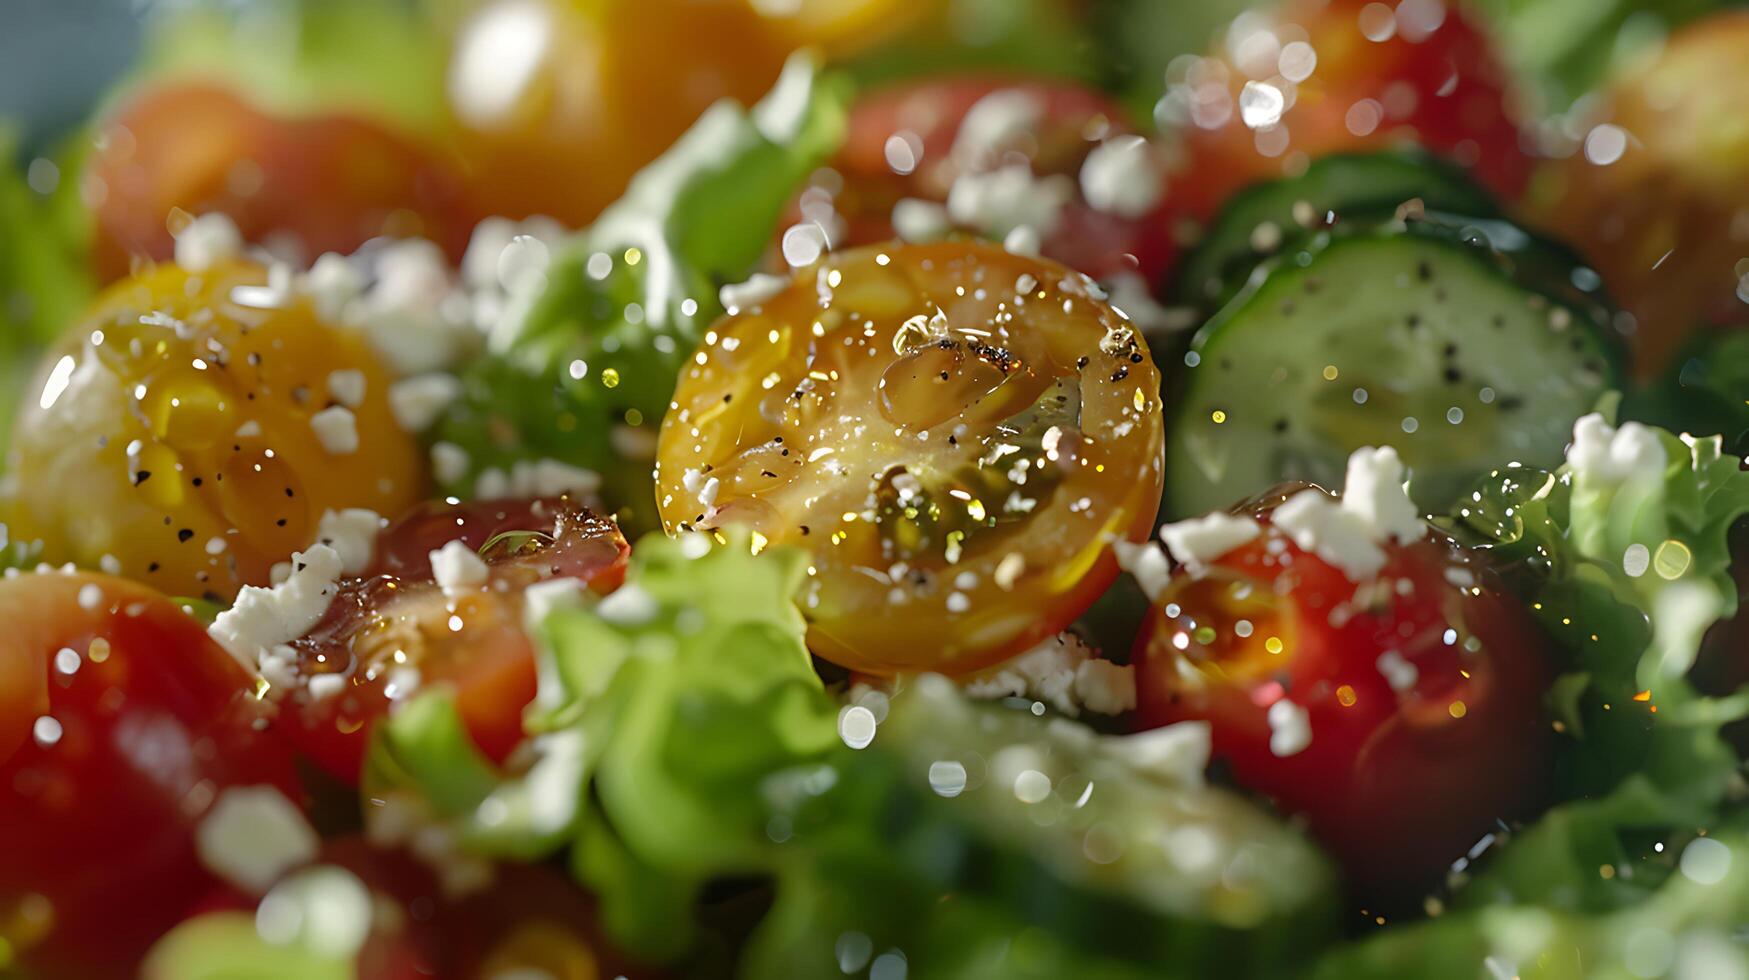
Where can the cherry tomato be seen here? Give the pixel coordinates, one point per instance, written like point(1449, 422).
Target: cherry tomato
point(1326, 76)
point(902, 144)
point(955, 434)
point(132, 722)
point(170, 436)
point(1420, 691)
point(1657, 192)
point(392, 629)
point(324, 183)
point(561, 101)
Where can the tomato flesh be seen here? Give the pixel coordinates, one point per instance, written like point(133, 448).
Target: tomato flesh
point(133, 722)
point(172, 437)
point(1380, 74)
point(954, 433)
point(324, 183)
point(864, 182)
point(1421, 691)
point(392, 630)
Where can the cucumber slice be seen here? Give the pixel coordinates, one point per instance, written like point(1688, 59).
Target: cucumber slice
point(1266, 218)
point(1464, 344)
point(994, 824)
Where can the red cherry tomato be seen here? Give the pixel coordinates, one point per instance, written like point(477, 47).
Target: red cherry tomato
point(1415, 70)
point(392, 628)
point(326, 182)
point(122, 723)
point(1420, 691)
point(901, 144)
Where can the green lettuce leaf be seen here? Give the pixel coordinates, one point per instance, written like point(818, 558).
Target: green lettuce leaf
point(1622, 555)
point(585, 372)
point(227, 946)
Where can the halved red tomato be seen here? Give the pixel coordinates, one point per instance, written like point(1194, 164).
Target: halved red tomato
point(955, 434)
point(1325, 76)
point(392, 629)
point(120, 724)
point(913, 141)
point(1401, 715)
point(325, 183)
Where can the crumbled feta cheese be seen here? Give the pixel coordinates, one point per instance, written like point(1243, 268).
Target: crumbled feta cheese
point(1121, 177)
point(1022, 241)
point(1131, 296)
point(1201, 540)
point(540, 599)
point(998, 201)
point(261, 619)
point(1398, 672)
point(522, 264)
point(1290, 728)
point(90, 596)
point(207, 241)
point(1604, 456)
point(252, 836)
point(628, 605)
point(418, 401)
point(1341, 537)
point(352, 533)
point(347, 387)
point(917, 220)
point(1146, 563)
point(409, 314)
point(779, 116)
point(321, 687)
point(1373, 491)
point(760, 287)
point(458, 569)
point(1105, 688)
point(1176, 754)
point(336, 429)
point(332, 283)
point(995, 121)
point(249, 429)
point(449, 462)
point(537, 478)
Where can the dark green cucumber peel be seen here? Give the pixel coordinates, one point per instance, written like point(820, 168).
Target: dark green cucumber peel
point(1465, 344)
point(1268, 218)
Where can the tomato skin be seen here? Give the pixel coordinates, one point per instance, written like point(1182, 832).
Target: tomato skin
point(1073, 121)
point(185, 420)
point(1445, 89)
point(395, 617)
point(1660, 215)
point(154, 722)
point(955, 433)
point(329, 181)
point(1399, 779)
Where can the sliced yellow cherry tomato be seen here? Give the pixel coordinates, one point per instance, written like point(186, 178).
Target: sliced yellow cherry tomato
point(956, 433)
point(173, 436)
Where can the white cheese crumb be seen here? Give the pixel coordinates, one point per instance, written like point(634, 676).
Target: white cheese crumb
point(352, 533)
point(1398, 672)
point(1201, 540)
point(1290, 729)
point(347, 387)
point(1604, 456)
point(261, 619)
point(917, 220)
point(537, 478)
point(1120, 177)
point(108, 564)
point(418, 401)
point(540, 599)
point(332, 283)
point(1341, 537)
point(1373, 491)
point(458, 569)
point(90, 596)
point(1146, 563)
point(998, 201)
point(249, 429)
point(1022, 241)
point(1105, 688)
point(321, 687)
point(995, 121)
point(336, 429)
point(449, 462)
point(1131, 296)
point(1176, 754)
point(252, 835)
point(207, 241)
point(758, 288)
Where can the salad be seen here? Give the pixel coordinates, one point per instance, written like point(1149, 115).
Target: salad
point(845, 488)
